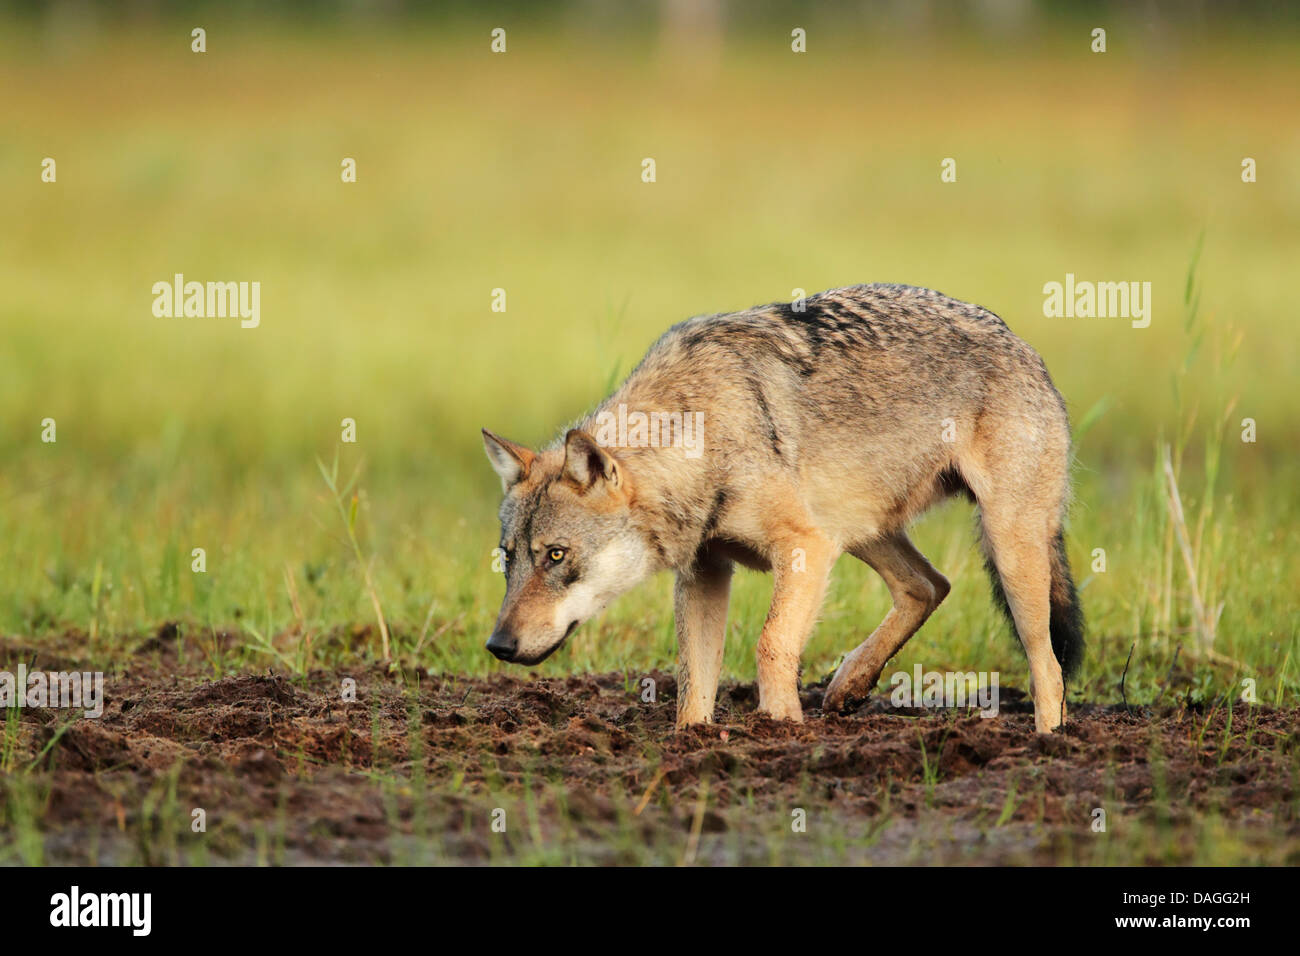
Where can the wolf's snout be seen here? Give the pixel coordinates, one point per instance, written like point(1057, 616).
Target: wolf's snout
point(503, 645)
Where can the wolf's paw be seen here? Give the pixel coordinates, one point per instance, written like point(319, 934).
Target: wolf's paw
point(835, 701)
point(685, 723)
point(1047, 723)
point(846, 689)
point(783, 710)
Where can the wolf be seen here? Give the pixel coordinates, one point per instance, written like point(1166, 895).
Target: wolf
point(826, 426)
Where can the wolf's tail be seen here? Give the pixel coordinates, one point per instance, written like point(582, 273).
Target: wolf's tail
point(1066, 624)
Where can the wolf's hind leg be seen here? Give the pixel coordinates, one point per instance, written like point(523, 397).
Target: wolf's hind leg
point(916, 588)
point(700, 605)
point(1019, 544)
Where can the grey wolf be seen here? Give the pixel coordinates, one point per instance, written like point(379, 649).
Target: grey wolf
point(825, 430)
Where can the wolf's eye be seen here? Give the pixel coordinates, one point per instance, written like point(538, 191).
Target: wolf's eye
point(556, 555)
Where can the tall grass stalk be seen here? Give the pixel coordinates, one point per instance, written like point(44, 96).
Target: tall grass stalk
point(349, 518)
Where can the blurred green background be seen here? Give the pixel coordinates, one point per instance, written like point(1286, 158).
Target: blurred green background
point(522, 171)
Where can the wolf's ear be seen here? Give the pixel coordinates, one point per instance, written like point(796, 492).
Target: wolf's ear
point(586, 463)
point(509, 460)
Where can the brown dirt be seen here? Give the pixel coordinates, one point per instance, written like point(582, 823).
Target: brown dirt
point(413, 771)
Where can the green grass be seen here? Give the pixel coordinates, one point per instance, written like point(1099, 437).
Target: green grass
point(476, 172)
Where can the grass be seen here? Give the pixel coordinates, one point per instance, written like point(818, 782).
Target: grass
point(522, 172)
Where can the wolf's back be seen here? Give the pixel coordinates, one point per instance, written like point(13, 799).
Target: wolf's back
point(877, 329)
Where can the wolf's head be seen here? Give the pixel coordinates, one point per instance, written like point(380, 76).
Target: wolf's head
point(568, 542)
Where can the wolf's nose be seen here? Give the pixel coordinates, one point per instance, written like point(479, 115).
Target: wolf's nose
point(502, 645)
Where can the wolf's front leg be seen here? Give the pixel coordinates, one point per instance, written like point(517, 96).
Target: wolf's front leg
point(799, 573)
point(700, 604)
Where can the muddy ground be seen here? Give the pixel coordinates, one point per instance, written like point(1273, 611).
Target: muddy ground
point(441, 769)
